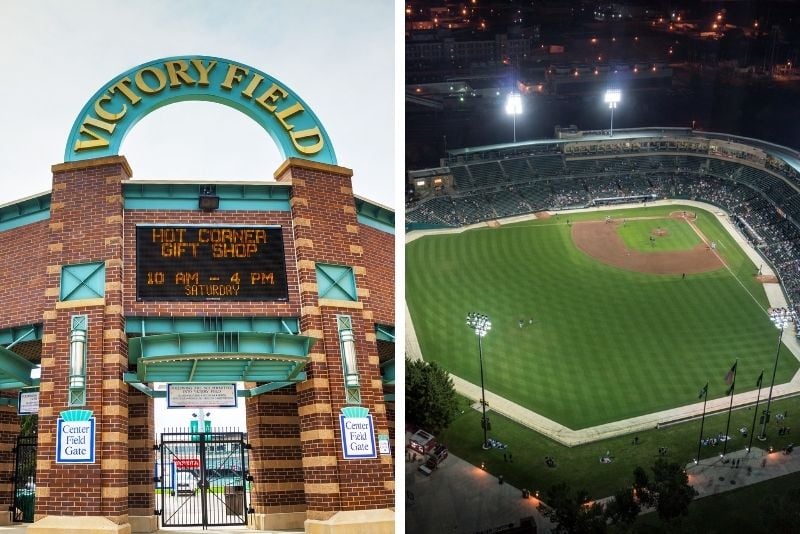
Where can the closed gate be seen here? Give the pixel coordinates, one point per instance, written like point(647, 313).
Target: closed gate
point(203, 479)
point(25, 479)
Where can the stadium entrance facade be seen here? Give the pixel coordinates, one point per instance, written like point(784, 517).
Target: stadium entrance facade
point(275, 294)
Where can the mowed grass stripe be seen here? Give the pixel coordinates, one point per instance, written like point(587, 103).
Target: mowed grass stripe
point(605, 343)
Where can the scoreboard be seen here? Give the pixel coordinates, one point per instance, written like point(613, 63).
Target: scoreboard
point(199, 263)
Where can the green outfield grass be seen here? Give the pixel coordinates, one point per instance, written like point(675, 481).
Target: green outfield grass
point(580, 466)
point(636, 235)
point(605, 343)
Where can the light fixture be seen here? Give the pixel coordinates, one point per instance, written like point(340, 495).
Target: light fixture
point(77, 360)
point(612, 98)
point(514, 108)
point(349, 348)
point(209, 200)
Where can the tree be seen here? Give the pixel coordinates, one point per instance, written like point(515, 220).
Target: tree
point(671, 490)
point(624, 508)
point(28, 425)
point(431, 400)
point(570, 512)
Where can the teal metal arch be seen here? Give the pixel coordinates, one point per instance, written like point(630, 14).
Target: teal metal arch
point(112, 111)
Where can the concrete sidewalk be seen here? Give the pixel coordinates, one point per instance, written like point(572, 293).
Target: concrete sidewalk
point(712, 476)
point(459, 497)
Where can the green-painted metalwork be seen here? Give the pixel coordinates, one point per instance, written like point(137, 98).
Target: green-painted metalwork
point(374, 215)
point(384, 332)
point(16, 334)
point(15, 371)
point(148, 326)
point(336, 282)
point(220, 357)
point(113, 110)
point(388, 372)
point(182, 196)
point(83, 281)
point(25, 211)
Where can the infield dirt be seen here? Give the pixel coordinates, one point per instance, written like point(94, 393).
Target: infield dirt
point(600, 240)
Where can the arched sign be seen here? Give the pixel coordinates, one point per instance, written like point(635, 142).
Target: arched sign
point(117, 106)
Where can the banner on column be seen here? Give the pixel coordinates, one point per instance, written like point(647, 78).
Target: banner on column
point(358, 433)
point(75, 437)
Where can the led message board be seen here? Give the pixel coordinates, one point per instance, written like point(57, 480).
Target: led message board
point(210, 263)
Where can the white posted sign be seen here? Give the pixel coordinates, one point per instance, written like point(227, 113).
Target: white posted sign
point(201, 395)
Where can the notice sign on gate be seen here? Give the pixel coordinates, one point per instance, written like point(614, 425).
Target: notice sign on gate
point(75, 437)
point(358, 434)
point(28, 403)
point(201, 395)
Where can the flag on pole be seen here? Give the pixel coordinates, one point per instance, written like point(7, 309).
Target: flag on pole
point(703, 391)
point(730, 378)
point(731, 374)
point(760, 378)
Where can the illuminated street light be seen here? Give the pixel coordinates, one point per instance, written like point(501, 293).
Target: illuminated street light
point(481, 325)
point(612, 98)
point(782, 318)
point(514, 108)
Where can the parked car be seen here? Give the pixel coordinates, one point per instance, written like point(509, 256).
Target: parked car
point(185, 483)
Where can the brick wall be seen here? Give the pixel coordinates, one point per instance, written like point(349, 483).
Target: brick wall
point(276, 458)
point(326, 230)
point(379, 262)
point(85, 225)
point(23, 254)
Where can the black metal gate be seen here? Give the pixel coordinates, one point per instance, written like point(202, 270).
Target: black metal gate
point(203, 479)
point(25, 479)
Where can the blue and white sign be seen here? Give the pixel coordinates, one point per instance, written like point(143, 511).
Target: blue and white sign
point(75, 439)
point(358, 437)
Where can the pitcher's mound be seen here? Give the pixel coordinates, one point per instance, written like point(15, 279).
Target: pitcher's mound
point(659, 232)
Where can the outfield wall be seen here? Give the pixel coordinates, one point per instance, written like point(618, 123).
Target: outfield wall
point(569, 437)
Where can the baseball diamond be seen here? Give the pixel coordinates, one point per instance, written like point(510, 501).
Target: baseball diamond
point(609, 304)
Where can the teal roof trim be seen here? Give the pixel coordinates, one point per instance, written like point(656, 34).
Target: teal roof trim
point(388, 372)
point(185, 325)
point(374, 216)
point(220, 357)
point(384, 332)
point(26, 211)
point(15, 371)
point(31, 332)
point(183, 197)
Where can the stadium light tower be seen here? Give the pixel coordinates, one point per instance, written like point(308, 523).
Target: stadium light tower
point(481, 325)
point(782, 317)
point(514, 108)
point(612, 98)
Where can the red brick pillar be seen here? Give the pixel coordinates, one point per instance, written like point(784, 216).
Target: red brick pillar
point(85, 226)
point(141, 456)
point(9, 430)
point(276, 460)
point(326, 231)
